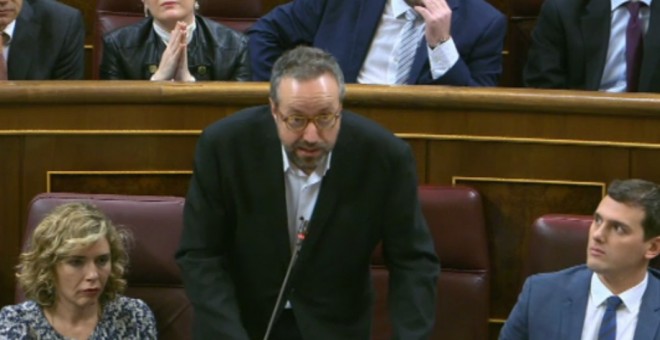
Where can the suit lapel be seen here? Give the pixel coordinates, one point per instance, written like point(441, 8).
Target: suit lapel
point(269, 183)
point(371, 12)
point(648, 320)
point(574, 306)
point(651, 59)
point(595, 24)
point(24, 43)
point(152, 60)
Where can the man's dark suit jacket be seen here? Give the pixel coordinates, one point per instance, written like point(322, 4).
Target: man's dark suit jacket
point(48, 42)
point(570, 41)
point(235, 247)
point(553, 306)
point(216, 52)
point(345, 28)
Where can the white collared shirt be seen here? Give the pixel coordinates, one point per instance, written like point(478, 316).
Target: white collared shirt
point(380, 65)
point(626, 315)
point(165, 35)
point(9, 31)
point(302, 191)
point(614, 72)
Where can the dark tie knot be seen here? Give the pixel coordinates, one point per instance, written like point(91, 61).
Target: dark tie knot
point(411, 15)
point(613, 302)
point(634, 6)
point(4, 39)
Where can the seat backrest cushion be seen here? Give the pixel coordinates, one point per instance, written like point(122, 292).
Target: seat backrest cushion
point(456, 220)
point(557, 241)
point(156, 223)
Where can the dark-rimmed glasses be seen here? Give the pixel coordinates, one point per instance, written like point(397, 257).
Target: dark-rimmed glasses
point(298, 123)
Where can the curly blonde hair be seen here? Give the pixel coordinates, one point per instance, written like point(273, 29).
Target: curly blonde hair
point(67, 228)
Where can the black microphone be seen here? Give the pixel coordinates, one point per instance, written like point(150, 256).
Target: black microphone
point(300, 237)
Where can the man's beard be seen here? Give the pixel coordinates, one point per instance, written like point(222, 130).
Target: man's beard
point(307, 164)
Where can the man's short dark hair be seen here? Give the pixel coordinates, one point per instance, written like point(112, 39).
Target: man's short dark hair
point(305, 63)
point(642, 194)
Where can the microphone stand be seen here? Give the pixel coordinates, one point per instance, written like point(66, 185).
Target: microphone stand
point(300, 237)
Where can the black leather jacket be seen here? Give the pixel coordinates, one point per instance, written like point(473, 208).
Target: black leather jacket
point(215, 52)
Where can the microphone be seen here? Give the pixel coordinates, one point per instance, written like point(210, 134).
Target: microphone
point(300, 237)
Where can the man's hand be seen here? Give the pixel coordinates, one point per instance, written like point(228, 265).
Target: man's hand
point(437, 16)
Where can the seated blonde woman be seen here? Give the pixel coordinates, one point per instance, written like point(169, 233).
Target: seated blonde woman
point(71, 274)
point(173, 43)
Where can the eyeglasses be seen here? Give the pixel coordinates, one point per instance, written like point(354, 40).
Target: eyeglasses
point(298, 123)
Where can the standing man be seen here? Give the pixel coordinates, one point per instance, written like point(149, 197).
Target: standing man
point(41, 40)
point(442, 42)
point(616, 295)
point(304, 168)
point(606, 45)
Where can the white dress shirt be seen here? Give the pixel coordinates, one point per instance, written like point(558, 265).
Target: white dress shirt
point(380, 65)
point(9, 31)
point(626, 315)
point(165, 35)
point(301, 191)
point(614, 72)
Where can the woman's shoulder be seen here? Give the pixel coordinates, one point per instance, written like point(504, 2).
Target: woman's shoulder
point(123, 304)
point(21, 321)
point(130, 33)
point(23, 311)
point(220, 31)
point(125, 317)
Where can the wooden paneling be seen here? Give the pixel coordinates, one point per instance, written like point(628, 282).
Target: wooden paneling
point(528, 152)
point(10, 207)
point(163, 183)
point(511, 207)
point(121, 164)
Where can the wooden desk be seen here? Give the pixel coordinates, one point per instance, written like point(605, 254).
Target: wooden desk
point(528, 152)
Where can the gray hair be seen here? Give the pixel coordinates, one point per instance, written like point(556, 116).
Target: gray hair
point(305, 63)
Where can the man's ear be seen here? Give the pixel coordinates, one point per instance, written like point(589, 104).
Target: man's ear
point(653, 248)
point(273, 106)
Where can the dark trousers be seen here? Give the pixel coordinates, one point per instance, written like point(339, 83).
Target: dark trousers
point(286, 327)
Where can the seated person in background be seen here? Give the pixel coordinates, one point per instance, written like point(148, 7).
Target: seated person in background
point(444, 42)
point(41, 40)
point(71, 274)
point(616, 295)
point(175, 44)
point(596, 45)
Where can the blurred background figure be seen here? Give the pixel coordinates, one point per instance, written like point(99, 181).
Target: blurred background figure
point(173, 43)
point(40, 40)
point(72, 275)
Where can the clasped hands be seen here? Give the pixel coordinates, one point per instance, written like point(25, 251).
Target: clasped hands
point(437, 16)
point(174, 61)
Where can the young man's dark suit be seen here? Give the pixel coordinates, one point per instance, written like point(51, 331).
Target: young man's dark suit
point(235, 246)
point(554, 305)
point(570, 41)
point(48, 42)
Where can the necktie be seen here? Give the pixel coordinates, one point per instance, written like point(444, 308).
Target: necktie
point(607, 329)
point(3, 64)
point(634, 46)
point(407, 47)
